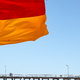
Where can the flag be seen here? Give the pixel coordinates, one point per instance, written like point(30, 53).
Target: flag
point(22, 20)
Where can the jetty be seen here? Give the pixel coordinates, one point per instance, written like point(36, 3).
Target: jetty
point(38, 77)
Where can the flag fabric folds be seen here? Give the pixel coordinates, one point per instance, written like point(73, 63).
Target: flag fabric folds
point(22, 20)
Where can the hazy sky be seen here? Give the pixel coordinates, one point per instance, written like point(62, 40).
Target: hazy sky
point(49, 54)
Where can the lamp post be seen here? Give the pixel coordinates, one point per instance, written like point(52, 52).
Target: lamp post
point(67, 70)
point(5, 70)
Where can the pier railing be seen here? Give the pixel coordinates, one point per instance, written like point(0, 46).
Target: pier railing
point(37, 75)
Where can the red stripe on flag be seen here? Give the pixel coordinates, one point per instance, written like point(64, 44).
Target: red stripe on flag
point(23, 1)
point(12, 9)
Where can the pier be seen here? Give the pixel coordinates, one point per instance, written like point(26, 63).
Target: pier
point(38, 77)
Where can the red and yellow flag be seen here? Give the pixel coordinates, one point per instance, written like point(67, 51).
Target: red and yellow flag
point(22, 20)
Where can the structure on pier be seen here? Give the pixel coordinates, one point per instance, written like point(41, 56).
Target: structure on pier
point(38, 77)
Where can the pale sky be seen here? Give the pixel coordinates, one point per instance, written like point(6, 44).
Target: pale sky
point(49, 54)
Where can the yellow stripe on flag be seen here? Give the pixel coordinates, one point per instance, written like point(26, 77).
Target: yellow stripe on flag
point(22, 29)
